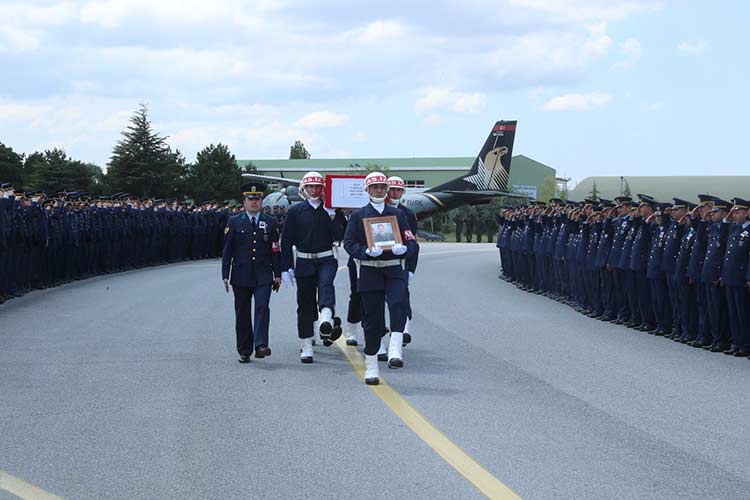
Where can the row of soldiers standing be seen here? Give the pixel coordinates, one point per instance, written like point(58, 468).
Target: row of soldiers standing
point(46, 242)
point(679, 270)
point(469, 225)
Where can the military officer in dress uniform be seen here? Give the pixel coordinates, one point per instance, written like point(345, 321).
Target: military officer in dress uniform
point(312, 229)
point(251, 251)
point(382, 276)
point(733, 278)
point(717, 235)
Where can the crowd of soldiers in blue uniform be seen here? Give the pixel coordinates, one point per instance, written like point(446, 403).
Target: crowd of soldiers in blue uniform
point(49, 241)
point(678, 270)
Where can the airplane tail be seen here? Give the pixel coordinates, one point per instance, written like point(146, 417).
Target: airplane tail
point(491, 169)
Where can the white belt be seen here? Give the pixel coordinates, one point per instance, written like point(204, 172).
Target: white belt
point(381, 263)
point(319, 255)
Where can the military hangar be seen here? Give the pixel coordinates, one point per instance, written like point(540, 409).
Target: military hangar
point(526, 175)
point(664, 188)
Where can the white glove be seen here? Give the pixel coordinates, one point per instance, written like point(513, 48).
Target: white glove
point(287, 277)
point(374, 252)
point(411, 277)
point(398, 249)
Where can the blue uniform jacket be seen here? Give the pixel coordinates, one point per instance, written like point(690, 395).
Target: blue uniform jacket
point(311, 230)
point(411, 218)
point(671, 247)
point(734, 269)
point(715, 247)
point(355, 243)
point(253, 255)
point(683, 255)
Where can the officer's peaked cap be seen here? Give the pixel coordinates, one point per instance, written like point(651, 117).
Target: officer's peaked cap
point(253, 190)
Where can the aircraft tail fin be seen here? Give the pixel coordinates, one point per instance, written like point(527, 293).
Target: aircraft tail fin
point(491, 168)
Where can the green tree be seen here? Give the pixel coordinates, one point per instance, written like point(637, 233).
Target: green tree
point(11, 167)
point(594, 194)
point(626, 189)
point(357, 169)
point(31, 168)
point(250, 168)
point(548, 189)
point(298, 151)
point(215, 174)
point(142, 162)
point(53, 171)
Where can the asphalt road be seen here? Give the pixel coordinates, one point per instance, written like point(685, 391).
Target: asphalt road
point(127, 387)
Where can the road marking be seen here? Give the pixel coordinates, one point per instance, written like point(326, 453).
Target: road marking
point(22, 489)
point(464, 464)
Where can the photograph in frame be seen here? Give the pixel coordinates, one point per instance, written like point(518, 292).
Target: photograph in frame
point(382, 232)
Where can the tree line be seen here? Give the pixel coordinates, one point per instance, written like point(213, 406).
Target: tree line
point(142, 164)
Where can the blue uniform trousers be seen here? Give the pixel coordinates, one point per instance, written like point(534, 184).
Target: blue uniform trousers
point(619, 289)
point(608, 294)
point(661, 305)
point(717, 313)
point(354, 314)
point(674, 301)
point(645, 305)
point(738, 303)
point(249, 334)
point(313, 294)
point(704, 319)
point(373, 307)
point(686, 295)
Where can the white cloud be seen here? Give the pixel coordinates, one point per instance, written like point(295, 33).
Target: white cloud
point(323, 119)
point(378, 31)
point(631, 51)
point(588, 10)
point(443, 99)
point(548, 57)
point(694, 48)
point(578, 102)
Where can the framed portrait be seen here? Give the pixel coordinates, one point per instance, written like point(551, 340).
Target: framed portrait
point(382, 232)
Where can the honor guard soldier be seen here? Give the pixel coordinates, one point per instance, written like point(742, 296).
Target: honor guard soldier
point(382, 276)
point(396, 190)
point(251, 251)
point(312, 229)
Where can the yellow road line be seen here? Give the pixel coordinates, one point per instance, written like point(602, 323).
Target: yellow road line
point(22, 489)
point(464, 464)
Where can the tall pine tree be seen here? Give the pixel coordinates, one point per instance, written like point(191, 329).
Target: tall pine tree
point(298, 151)
point(11, 167)
point(215, 174)
point(142, 162)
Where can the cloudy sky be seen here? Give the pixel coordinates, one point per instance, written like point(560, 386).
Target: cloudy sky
point(599, 87)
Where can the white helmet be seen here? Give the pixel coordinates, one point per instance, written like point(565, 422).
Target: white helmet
point(310, 179)
point(372, 179)
point(395, 182)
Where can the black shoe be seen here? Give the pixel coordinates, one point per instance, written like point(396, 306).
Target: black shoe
point(382, 357)
point(372, 381)
point(407, 339)
point(327, 342)
point(395, 363)
point(262, 351)
point(716, 348)
point(325, 329)
point(306, 360)
point(352, 342)
point(741, 354)
point(244, 358)
point(336, 332)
